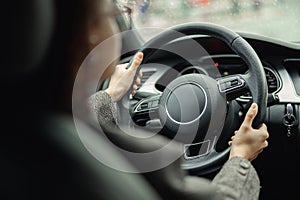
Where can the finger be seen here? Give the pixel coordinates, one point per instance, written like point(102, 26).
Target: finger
point(250, 115)
point(133, 91)
point(263, 127)
point(230, 143)
point(265, 144)
point(138, 81)
point(137, 60)
point(140, 74)
point(134, 87)
point(232, 138)
point(235, 132)
point(266, 135)
point(264, 130)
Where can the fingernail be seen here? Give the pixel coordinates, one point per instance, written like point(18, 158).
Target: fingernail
point(253, 106)
point(140, 55)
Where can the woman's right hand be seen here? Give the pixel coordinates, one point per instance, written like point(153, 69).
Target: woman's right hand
point(248, 142)
point(122, 78)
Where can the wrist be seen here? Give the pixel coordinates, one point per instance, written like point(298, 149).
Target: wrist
point(239, 155)
point(110, 93)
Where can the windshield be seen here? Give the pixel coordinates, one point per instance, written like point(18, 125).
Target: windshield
point(278, 19)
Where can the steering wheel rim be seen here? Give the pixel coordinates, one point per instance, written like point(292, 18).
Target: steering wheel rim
point(254, 80)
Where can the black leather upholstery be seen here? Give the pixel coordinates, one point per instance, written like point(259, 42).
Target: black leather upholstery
point(41, 154)
point(25, 35)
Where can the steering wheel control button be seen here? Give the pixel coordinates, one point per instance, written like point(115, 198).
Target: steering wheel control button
point(186, 103)
point(154, 104)
point(147, 104)
point(230, 83)
point(144, 106)
point(234, 83)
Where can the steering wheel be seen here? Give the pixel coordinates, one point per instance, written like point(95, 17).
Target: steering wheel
point(193, 108)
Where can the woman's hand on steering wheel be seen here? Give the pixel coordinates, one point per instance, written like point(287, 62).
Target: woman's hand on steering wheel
point(248, 142)
point(122, 78)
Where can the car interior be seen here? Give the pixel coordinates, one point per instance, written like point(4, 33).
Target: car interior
point(42, 156)
point(175, 53)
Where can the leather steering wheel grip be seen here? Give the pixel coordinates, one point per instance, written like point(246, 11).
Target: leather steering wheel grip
point(256, 81)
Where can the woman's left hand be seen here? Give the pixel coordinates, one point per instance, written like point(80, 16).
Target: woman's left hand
point(122, 78)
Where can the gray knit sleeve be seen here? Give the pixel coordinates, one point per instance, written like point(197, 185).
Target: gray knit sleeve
point(238, 180)
point(102, 105)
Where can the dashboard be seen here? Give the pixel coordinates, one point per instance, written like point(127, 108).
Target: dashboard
point(221, 66)
point(281, 62)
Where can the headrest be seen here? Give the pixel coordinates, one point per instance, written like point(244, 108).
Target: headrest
point(26, 32)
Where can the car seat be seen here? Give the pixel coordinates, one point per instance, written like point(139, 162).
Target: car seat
point(42, 156)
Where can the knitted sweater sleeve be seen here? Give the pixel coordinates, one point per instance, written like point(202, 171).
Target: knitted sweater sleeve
point(102, 105)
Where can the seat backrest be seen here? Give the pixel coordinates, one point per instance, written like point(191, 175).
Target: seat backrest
point(26, 31)
point(42, 156)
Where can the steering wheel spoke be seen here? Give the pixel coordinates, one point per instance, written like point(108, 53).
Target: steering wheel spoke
point(233, 86)
point(145, 110)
